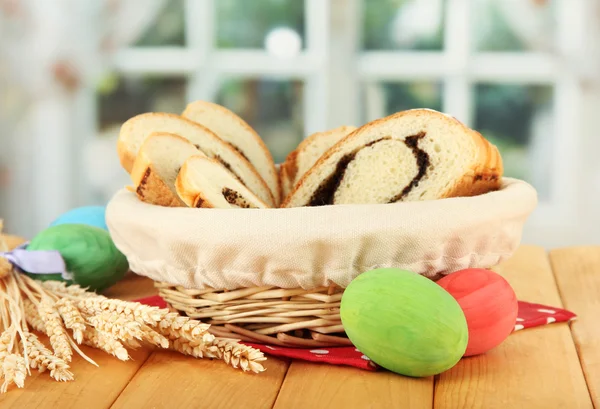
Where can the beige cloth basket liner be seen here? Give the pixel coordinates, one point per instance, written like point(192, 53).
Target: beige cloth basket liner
point(311, 247)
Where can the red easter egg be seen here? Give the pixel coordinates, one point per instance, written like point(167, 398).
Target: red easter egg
point(489, 304)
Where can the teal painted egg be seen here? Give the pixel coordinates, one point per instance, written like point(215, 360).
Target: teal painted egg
point(89, 254)
point(404, 322)
point(89, 215)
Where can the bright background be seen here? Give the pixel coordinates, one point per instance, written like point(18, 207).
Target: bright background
point(525, 73)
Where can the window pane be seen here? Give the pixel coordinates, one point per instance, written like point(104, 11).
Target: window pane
point(168, 29)
point(518, 119)
point(277, 25)
point(386, 98)
point(514, 25)
point(403, 24)
point(272, 107)
point(120, 98)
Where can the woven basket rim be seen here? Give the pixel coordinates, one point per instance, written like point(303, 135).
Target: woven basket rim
point(266, 315)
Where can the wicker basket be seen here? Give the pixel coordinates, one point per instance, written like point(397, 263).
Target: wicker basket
point(276, 276)
point(269, 315)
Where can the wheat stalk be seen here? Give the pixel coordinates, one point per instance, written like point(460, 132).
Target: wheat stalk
point(112, 326)
point(55, 330)
point(228, 350)
point(238, 355)
point(153, 337)
point(42, 359)
point(143, 314)
point(5, 342)
point(175, 326)
point(5, 347)
point(71, 317)
point(14, 371)
point(5, 267)
point(198, 348)
point(32, 316)
point(63, 290)
point(120, 326)
point(106, 342)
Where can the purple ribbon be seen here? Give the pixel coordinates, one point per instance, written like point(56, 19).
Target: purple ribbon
point(37, 261)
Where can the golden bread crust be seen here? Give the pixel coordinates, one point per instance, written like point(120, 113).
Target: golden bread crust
point(151, 189)
point(193, 197)
point(125, 152)
point(484, 176)
point(189, 197)
point(148, 186)
point(287, 173)
point(205, 105)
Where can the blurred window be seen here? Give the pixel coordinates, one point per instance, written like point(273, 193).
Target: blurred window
point(257, 24)
point(122, 97)
point(399, 96)
point(167, 29)
point(273, 108)
point(518, 120)
point(514, 25)
point(403, 25)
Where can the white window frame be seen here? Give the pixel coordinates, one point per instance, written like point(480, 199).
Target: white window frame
point(333, 76)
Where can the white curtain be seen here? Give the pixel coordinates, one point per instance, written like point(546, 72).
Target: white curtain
point(51, 51)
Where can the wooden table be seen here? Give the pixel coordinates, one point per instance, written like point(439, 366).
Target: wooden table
point(554, 366)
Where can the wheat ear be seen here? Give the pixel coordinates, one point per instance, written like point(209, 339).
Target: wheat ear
point(71, 317)
point(42, 359)
point(175, 326)
point(14, 371)
point(121, 327)
point(238, 355)
point(143, 314)
point(106, 342)
point(55, 330)
point(32, 316)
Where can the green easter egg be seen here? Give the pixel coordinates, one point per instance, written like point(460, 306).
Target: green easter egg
point(404, 322)
point(89, 254)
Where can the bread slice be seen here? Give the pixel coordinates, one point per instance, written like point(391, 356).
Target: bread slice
point(156, 167)
point(135, 131)
point(306, 155)
point(411, 155)
point(235, 131)
point(204, 182)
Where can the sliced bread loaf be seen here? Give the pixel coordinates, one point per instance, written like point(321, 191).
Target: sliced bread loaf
point(135, 131)
point(204, 182)
point(307, 154)
point(412, 155)
point(156, 167)
point(235, 131)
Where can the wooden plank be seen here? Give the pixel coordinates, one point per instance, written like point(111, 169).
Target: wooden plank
point(534, 368)
point(309, 385)
point(131, 287)
point(172, 380)
point(93, 388)
point(577, 272)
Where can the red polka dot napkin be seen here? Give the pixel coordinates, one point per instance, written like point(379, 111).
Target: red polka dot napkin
point(530, 315)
